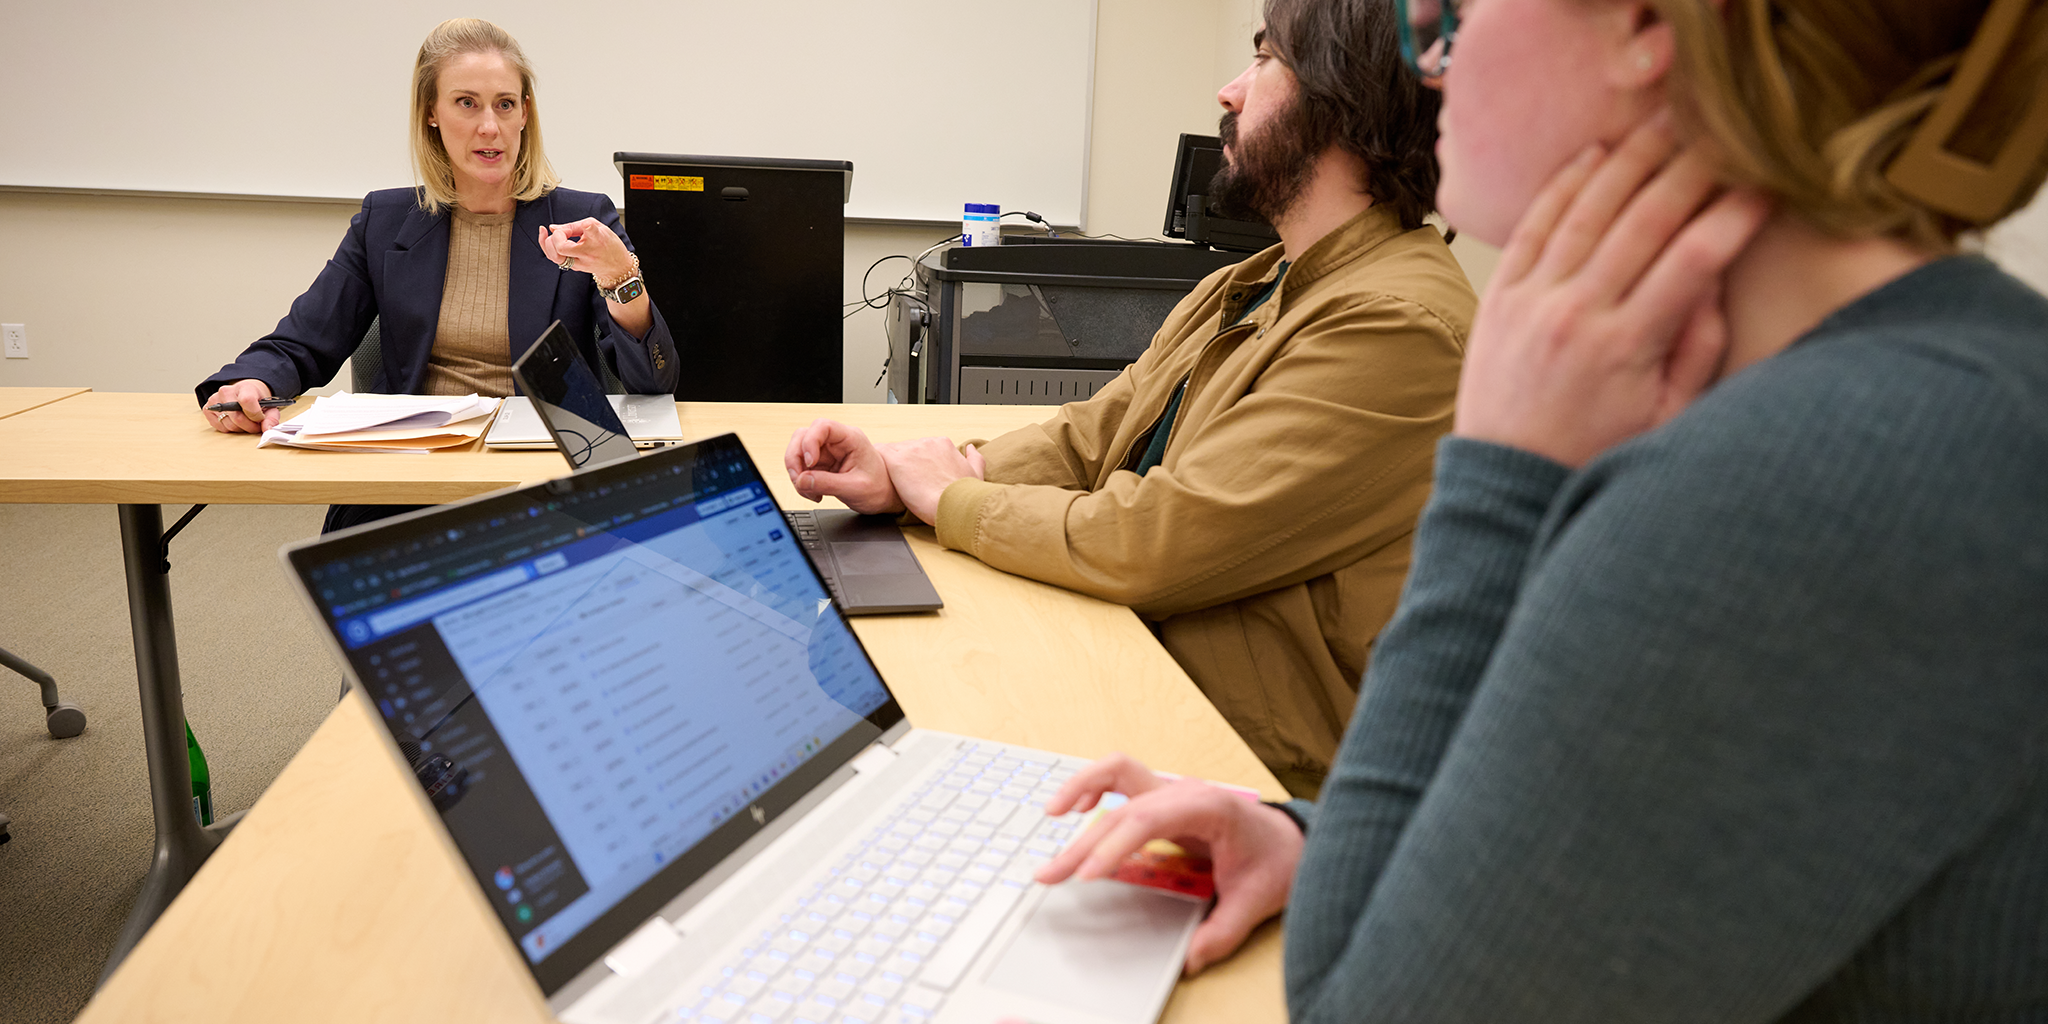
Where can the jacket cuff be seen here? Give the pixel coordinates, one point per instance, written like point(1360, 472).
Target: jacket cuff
point(960, 511)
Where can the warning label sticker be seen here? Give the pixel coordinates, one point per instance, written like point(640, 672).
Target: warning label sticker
point(665, 182)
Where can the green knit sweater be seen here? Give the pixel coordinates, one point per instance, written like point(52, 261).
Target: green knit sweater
point(1747, 720)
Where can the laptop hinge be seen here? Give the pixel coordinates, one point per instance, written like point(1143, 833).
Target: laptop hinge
point(640, 950)
point(875, 758)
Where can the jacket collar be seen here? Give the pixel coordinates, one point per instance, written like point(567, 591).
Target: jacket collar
point(1345, 243)
point(417, 223)
point(420, 257)
point(415, 268)
point(530, 303)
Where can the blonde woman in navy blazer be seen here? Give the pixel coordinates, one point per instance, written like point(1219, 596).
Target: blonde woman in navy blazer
point(476, 145)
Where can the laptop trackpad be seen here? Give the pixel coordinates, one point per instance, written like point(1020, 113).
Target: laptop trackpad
point(874, 558)
point(1103, 946)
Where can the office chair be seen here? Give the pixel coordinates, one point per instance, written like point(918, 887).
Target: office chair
point(63, 720)
point(369, 358)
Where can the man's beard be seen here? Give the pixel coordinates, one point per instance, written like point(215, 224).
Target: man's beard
point(1267, 170)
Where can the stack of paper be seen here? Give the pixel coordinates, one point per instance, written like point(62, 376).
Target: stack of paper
point(385, 423)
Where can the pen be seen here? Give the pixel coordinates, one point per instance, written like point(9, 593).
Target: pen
point(268, 403)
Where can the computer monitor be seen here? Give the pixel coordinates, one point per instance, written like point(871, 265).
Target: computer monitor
point(1190, 213)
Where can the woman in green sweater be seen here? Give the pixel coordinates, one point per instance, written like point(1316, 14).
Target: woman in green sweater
point(1719, 689)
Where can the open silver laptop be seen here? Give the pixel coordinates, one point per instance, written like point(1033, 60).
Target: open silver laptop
point(650, 420)
point(673, 770)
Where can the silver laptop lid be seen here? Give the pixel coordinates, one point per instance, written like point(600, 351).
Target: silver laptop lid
point(599, 680)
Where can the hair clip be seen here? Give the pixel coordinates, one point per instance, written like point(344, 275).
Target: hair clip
point(1961, 185)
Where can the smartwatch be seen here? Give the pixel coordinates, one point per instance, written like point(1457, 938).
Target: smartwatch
point(627, 290)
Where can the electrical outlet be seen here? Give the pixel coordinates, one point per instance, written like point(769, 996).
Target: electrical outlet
point(16, 336)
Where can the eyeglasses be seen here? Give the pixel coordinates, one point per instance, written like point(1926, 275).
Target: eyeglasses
point(1427, 28)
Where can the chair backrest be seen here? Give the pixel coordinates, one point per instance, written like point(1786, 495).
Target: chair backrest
point(369, 358)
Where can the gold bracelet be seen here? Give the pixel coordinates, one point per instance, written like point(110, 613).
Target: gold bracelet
point(631, 274)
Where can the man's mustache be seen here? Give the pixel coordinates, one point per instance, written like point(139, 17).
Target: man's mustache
point(1226, 128)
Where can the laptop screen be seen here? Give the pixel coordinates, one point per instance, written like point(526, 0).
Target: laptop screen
point(600, 679)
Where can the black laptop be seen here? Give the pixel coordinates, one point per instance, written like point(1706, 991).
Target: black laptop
point(867, 565)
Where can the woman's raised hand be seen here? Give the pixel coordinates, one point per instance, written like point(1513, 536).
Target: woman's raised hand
point(1604, 317)
point(252, 419)
point(590, 247)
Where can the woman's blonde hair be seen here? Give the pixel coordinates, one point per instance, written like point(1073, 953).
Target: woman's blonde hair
point(1815, 101)
point(532, 175)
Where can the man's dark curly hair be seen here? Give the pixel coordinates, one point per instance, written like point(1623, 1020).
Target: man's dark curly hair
point(1357, 93)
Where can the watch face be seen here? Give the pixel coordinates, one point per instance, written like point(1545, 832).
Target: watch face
point(629, 291)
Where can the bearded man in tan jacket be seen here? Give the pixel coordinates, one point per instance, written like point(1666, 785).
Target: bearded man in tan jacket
point(1250, 485)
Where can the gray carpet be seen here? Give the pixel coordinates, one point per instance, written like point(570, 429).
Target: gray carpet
point(257, 683)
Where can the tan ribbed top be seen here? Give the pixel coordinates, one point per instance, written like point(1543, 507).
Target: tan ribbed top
point(472, 346)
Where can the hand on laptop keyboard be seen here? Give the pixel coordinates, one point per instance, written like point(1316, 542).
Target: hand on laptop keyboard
point(890, 929)
point(1253, 848)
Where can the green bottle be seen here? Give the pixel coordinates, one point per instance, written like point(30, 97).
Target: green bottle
point(202, 782)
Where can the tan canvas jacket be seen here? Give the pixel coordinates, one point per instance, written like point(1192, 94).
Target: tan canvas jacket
point(1270, 545)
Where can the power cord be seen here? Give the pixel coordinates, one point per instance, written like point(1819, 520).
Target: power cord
point(1033, 217)
point(1121, 238)
point(1052, 232)
point(867, 301)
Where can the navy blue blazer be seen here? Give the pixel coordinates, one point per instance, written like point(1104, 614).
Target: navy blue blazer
point(392, 264)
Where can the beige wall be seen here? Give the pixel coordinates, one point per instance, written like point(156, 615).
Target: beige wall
point(2020, 245)
point(132, 293)
point(1158, 66)
point(142, 293)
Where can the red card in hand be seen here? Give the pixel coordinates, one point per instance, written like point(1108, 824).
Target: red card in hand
point(1162, 865)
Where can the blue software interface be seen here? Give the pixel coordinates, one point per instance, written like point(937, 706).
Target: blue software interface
point(651, 656)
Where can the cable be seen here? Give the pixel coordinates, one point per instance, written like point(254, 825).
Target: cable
point(866, 300)
point(881, 301)
point(1052, 232)
point(1120, 238)
point(1033, 217)
point(948, 240)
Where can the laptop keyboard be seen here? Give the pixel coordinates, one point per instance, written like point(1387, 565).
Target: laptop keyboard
point(888, 931)
point(805, 526)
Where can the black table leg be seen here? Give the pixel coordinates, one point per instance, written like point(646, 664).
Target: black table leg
point(182, 844)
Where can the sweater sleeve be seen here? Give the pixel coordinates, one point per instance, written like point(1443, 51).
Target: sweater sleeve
point(1760, 680)
point(1471, 546)
point(1325, 459)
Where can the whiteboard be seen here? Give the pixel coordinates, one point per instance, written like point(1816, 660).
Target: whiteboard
point(936, 102)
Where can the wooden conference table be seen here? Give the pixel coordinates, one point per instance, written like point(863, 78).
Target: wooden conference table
point(340, 898)
point(19, 400)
